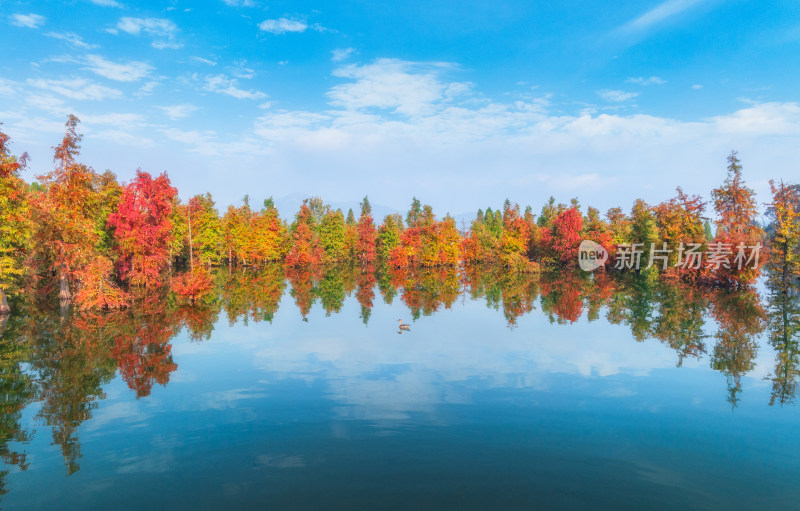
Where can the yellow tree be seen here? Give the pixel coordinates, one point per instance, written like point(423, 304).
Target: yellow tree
point(14, 221)
point(785, 239)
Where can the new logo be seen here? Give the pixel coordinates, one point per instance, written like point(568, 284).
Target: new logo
point(591, 255)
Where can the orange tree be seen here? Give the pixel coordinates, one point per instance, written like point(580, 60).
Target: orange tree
point(67, 241)
point(305, 249)
point(737, 227)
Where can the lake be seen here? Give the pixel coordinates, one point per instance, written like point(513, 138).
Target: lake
point(298, 391)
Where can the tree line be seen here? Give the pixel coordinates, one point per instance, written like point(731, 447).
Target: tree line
point(95, 242)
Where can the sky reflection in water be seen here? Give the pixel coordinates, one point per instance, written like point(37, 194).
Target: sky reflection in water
point(563, 393)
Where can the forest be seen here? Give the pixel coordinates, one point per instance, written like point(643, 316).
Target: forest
point(96, 243)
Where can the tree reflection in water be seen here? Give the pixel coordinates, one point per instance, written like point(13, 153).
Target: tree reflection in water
point(63, 362)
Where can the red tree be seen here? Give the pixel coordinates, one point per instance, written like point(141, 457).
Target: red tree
point(305, 249)
point(365, 242)
point(565, 236)
point(142, 229)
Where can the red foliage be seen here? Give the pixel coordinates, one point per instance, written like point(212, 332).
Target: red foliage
point(142, 229)
point(365, 242)
point(305, 249)
point(565, 236)
point(144, 356)
point(193, 284)
point(563, 298)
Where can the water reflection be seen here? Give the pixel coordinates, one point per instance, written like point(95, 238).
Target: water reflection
point(784, 336)
point(63, 363)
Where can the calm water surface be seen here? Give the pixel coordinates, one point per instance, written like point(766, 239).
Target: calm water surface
point(531, 393)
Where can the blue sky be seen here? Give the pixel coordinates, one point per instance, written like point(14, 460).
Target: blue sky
point(459, 103)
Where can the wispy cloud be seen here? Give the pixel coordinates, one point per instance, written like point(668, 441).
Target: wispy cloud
point(653, 80)
point(341, 54)
point(240, 3)
point(617, 96)
point(72, 39)
point(76, 88)
point(221, 84)
point(163, 31)
point(284, 25)
point(107, 3)
point(176, 112)
point(659, 14)
point(201, 60)
point(132, 71)
point(27, 20)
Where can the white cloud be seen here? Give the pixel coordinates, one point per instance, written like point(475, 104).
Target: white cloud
point(175, 112)
point(616, 96)
point(46, 102)
point(341, 54)
point(27, 20)
point(653, 80)
point(163, 31)
point(106, 3)
point(404, 87)
point(119, 120)
point(201, 60)
point(72, 39)
point(76, 88)
point(240, 3)
point(778, 119)
point(147, 88)
point(284, 25)
point(223, 85)
point(697, 86)
point(240, 70)
point(132, 71)
point(659, 14)
point(124, 137)
point(7, 87)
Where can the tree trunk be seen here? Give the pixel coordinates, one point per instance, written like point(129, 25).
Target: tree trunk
point(191, 255)
point(5, 310)
point(63, 293)
point(3, 323)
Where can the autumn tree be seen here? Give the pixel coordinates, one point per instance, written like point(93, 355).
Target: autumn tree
point(482, 240)
point(679, 221)
point(15, 224)
point(599, 231)
point(643, 228)
point(305, 249)
point(388, 236)
point(142, 229)
point(736, 208)
point(332, 237)
point(204, 230)
point(785, 239)
point(67, 241)
point(366, 235)
point(565, 236)
point(270, 237)
point(236, 235)
point(514, 241)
